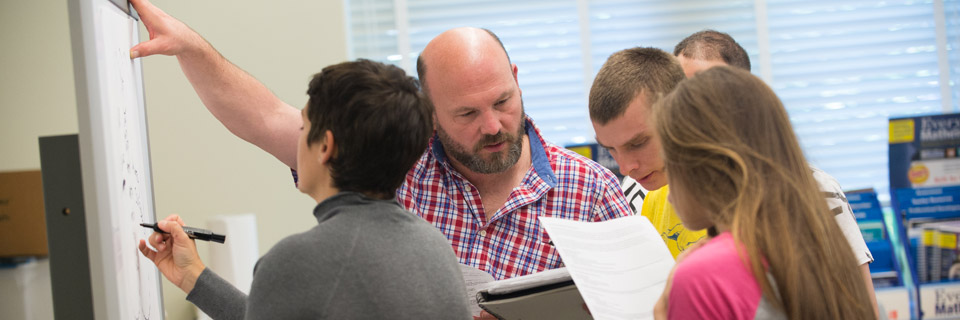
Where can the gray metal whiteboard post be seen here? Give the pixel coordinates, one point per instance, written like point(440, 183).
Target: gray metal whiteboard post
point(117, 188)
point(66, 227)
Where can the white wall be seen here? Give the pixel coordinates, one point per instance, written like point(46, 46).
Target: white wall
point(199, 168)
point(36, 79)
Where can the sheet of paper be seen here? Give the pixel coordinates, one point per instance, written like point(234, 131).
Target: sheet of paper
point(620, 266)
point(475, 280)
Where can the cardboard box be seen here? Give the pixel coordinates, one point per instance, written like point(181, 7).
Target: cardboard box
point(23, 226)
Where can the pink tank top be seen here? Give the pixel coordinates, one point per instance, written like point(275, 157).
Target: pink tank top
point(713, 282)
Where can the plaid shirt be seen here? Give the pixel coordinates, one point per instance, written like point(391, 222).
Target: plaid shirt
point(560, 183)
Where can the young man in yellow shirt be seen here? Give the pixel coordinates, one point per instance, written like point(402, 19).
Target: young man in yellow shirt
point(624, 90)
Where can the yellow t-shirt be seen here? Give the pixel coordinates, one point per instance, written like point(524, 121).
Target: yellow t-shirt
point(665, 219)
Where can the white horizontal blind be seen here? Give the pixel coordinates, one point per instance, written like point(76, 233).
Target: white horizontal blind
point(619, 24)
point(541, 37)
point(952, 13)
point(843, 68)
point(371, 30)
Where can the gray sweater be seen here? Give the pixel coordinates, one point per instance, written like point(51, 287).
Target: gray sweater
point(367, 259)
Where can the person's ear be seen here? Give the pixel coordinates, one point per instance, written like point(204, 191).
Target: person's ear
point(328, 147)
point(513, 67)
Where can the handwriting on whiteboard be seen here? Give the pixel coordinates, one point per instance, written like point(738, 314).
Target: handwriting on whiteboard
point(126, 157)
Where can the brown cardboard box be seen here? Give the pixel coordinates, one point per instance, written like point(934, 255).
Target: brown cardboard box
point(23, 226)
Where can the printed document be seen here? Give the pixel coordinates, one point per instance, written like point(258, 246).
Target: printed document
point(620, 266)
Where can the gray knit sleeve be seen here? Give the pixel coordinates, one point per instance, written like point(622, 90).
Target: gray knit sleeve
point(217, 298)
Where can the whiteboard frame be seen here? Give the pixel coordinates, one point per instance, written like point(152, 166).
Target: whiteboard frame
point(93, 156)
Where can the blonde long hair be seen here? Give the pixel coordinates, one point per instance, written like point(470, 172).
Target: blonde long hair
point(729, 146)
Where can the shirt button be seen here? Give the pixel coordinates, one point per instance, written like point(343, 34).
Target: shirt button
point(467, 187)
point(483, 233)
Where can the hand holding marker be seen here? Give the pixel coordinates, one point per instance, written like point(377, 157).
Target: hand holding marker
point(193, 233)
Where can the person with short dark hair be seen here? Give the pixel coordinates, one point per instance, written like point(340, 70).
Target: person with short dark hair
point(707, 48)
point(364, 126)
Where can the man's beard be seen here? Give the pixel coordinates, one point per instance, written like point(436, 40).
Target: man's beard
point(499, 161)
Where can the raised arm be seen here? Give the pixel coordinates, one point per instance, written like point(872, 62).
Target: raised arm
point(244, 105)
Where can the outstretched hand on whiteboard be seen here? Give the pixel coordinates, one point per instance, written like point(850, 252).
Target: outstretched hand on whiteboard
point(168, 36)
point(176, 254)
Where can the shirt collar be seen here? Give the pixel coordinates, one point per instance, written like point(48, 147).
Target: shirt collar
point(538, 154)
point(327, 208)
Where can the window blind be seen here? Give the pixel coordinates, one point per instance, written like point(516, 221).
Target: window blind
point(841, 68)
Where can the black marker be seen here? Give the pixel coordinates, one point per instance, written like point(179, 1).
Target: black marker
point(194, 233)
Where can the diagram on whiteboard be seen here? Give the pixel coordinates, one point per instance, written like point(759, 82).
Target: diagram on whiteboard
point(127, 164)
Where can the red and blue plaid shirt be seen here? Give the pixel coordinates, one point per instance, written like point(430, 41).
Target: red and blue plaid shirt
point(560, 183)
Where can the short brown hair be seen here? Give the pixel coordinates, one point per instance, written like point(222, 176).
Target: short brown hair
point(713, 45)
point(627, 74)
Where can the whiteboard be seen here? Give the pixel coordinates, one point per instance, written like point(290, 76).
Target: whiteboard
point(115, 160)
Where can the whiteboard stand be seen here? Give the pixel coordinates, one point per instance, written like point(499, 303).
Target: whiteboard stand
point(66, 227)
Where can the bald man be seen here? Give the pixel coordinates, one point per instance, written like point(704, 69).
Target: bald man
point(487, 174)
